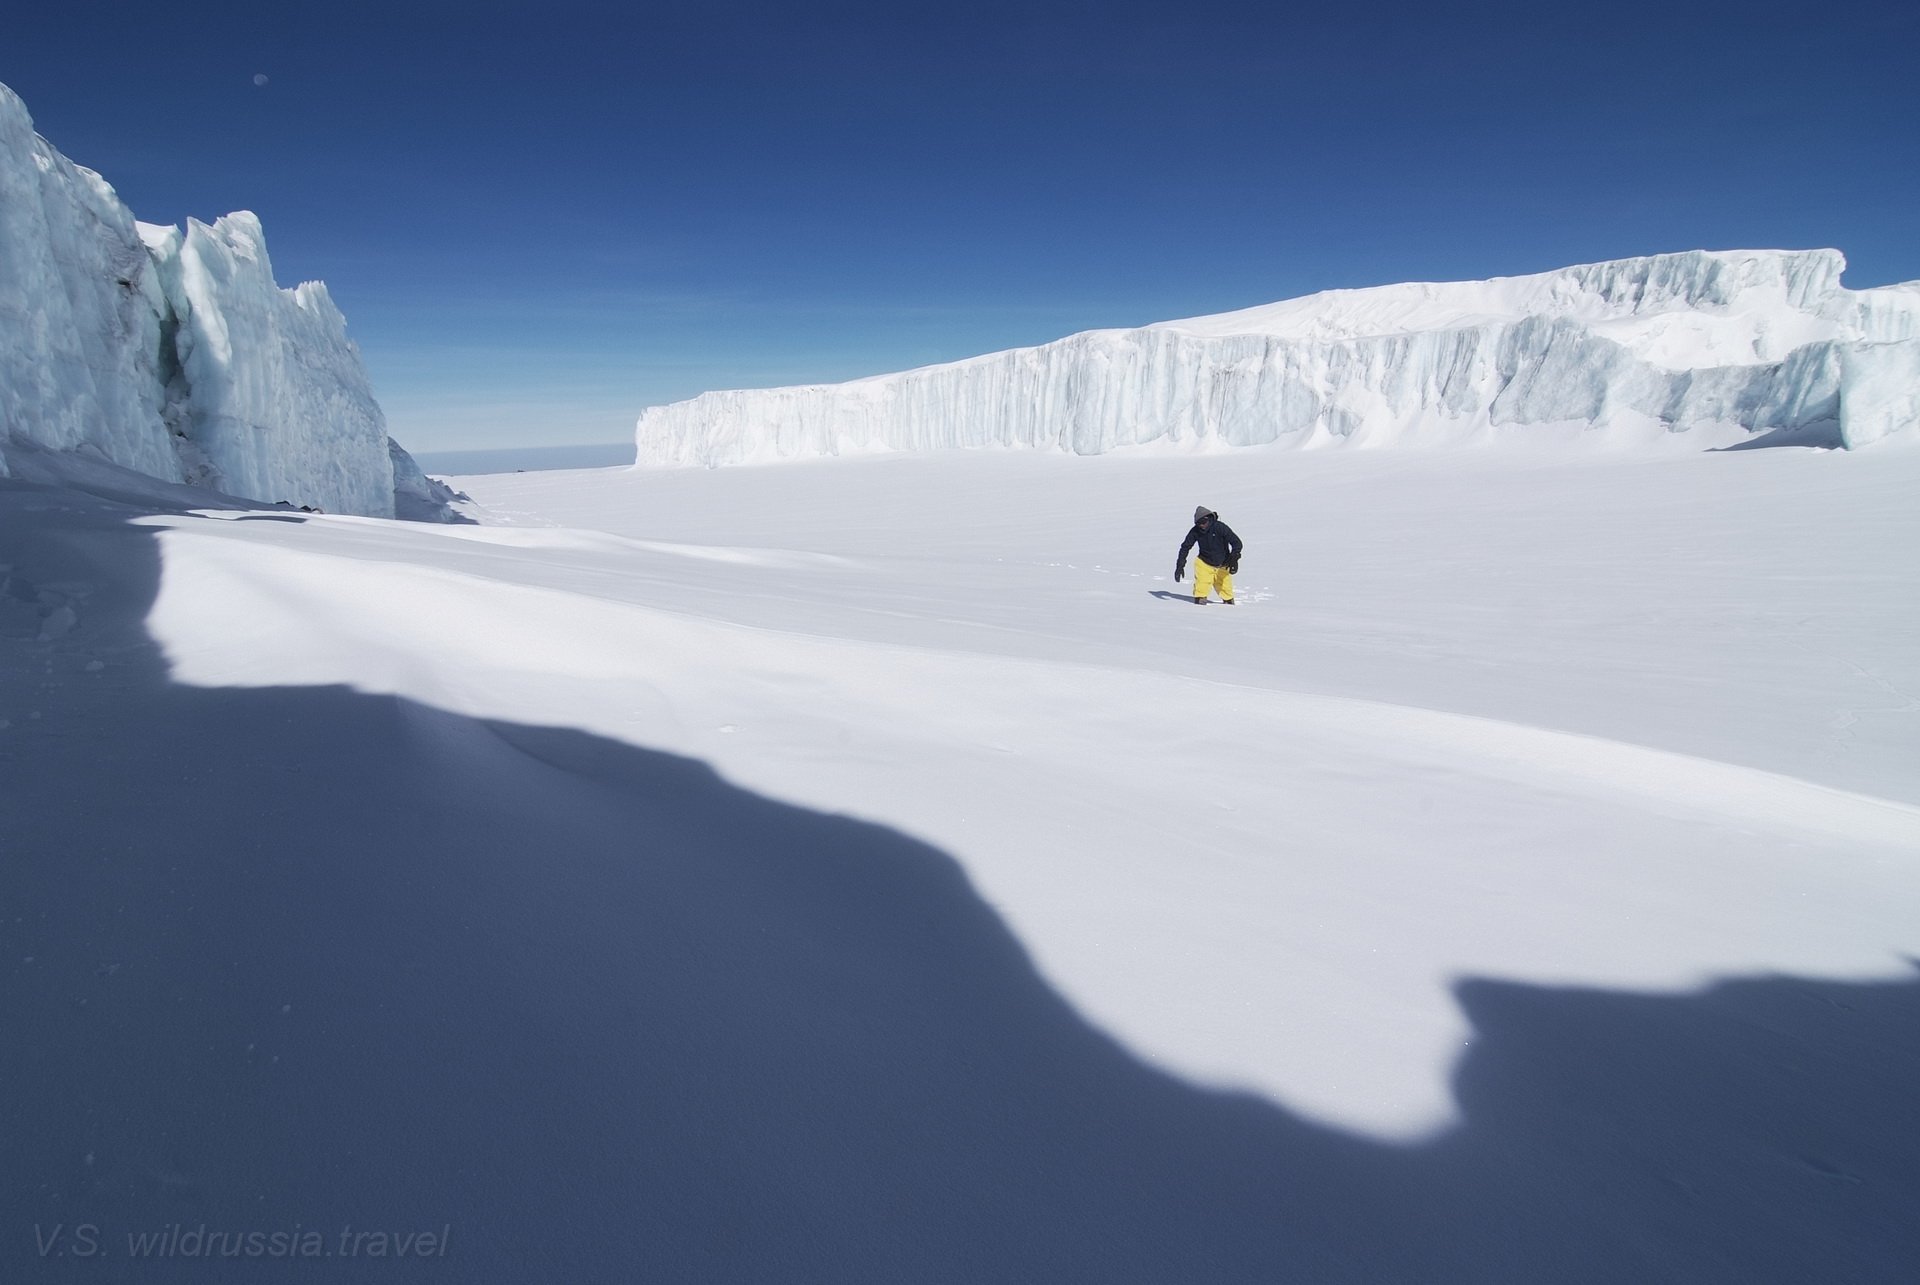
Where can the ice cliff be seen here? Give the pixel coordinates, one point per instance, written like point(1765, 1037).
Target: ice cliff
point(172, 352)
point(1732, 346)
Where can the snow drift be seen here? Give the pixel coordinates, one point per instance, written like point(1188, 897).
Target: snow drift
point(1739, 344)
point(171, 352)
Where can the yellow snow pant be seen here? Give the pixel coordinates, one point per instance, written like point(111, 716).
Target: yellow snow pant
point(1206, 576)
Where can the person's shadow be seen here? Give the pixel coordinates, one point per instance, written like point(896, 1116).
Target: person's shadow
point(308, 964)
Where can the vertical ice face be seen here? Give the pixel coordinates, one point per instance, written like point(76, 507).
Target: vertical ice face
point(1741, 343)
point(174, 353)
point(80, 309)
point(1880, 390)
point(277, 400)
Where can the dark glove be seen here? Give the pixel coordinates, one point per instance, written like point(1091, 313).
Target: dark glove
point(1233, 568)
point(1179, 571)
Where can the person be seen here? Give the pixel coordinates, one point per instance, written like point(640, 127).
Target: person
point(1216, 557)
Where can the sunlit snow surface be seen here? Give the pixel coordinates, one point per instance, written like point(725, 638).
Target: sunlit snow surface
point(1635, 723)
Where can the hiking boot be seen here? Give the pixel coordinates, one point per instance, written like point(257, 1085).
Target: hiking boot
point(1228, 601)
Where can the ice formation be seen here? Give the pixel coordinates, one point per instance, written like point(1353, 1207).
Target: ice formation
point(170, 352)
point(1736, 346)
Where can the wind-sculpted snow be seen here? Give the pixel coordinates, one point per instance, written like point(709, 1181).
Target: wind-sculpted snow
point(173, 353)
point(1733, 345)
point(1622, 727)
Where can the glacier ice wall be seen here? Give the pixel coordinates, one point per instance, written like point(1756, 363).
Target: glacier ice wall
point(1744, 343)
point(277, 399)
point(80, 308)
point(170, 352)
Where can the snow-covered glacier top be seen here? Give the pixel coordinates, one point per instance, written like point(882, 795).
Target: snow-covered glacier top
point(1745, 342)
point(171, 351)
point(1731, 285)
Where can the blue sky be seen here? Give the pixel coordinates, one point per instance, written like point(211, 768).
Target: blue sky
point(541, 218)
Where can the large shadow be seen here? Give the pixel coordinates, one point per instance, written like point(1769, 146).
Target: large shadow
point(297, 961)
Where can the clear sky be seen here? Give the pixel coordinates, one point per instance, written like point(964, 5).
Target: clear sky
point(540, 218)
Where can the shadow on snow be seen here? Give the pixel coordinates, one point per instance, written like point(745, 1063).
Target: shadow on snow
point(302, 958)
point(1822, 435)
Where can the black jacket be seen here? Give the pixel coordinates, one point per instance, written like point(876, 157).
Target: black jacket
point(1218, 546)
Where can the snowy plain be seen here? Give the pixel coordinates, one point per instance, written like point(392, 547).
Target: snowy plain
point(880, 869)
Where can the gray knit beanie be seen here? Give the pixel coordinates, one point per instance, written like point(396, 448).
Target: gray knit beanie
point(1203, 512)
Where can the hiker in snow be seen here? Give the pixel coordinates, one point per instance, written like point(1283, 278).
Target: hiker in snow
point(1215, 560)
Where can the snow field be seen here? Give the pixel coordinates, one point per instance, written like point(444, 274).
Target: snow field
point(1628, 723)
